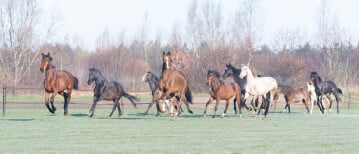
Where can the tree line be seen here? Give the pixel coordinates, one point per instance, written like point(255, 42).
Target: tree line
point(206, 43)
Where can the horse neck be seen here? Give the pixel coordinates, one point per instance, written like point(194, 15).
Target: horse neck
point(50, 73)
point(250, 77)
point(153, 84)
point(215, 84)
point(100, 80)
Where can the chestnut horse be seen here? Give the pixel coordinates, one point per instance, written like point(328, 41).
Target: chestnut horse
point(221, 91)
point(153, 82)
point(172, 83)
point(56, 82)
point(259, 86)
point(105, 90)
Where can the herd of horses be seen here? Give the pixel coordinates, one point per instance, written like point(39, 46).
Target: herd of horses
point(172, 88)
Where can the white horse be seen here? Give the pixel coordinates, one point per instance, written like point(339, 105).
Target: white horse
point(313, 96)
point(259, 86)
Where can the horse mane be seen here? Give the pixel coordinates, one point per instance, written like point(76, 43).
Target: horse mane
point(153, 75)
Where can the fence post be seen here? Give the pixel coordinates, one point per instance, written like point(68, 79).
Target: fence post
point(349, 98)
point(3, 100)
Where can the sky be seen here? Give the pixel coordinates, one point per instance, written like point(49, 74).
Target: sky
point(85, 20)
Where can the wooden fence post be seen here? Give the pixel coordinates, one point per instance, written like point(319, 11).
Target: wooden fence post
point(349, 99)
point(3, 100)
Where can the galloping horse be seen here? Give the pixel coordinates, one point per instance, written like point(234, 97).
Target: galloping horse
point(324, 88)
point(313, 96)
point(171, 83)
point(105, 90)
point(234, 72)
point(153, 82)
point(259, 86)
point(221, 91)
point(57, 82)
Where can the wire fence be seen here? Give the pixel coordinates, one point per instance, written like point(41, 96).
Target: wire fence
point(33, 97)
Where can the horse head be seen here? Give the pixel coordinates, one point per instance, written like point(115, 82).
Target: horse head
point(45, 62)
point(244, 71)
point(167, 60)
point(92, 75)
point(212, 76)
point(314, 77)
point(227, 71)
point(147, 77)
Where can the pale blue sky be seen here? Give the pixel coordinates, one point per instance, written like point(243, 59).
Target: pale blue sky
point(87, 19)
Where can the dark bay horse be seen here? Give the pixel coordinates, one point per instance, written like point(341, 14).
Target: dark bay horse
point(221, 91)
point(153, 82)
point(323, 88)
point(57, 82)
point(172, 83)
point(105, 90)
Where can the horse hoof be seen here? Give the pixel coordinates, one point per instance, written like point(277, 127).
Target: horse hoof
point(157, 114)
point(190, 111)
point(65, 114)
point(145, 113)
point(91, 115)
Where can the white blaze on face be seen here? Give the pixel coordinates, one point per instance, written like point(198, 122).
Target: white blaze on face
point(144, 77)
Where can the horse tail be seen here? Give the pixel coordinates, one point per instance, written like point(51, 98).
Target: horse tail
point(131, 98)
point(76, 83)
point(188, 96)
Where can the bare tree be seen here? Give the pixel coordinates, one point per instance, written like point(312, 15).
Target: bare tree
point(18, 19)
point(288, 39)
point(248, 18)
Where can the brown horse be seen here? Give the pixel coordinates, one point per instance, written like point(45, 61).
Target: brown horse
point(221, 91)
point(172, 83)
point(295, 96)
point(56, 82)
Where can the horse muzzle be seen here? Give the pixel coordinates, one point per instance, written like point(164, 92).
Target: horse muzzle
point(89, 82)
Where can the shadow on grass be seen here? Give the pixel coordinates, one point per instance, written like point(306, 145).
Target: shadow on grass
point(79, 115)
point(18, 119)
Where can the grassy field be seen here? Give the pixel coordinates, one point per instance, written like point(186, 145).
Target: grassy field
point(36, 130)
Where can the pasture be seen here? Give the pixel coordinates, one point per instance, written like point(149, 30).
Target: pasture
point(34, 129)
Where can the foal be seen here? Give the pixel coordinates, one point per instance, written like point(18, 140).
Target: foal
point(221, 91)
point(313, 96)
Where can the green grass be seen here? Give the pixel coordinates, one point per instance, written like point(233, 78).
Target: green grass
point(33, 131)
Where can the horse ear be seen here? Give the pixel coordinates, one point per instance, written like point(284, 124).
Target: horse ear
point(48, 53)
point(42, 54)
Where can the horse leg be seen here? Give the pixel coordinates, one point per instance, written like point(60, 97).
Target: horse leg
point(216, 107)
point(149, 106)
point(92, 109)
point(47, 96)
point(205, 109)
point(115, 101)
point(225, 109)
point(330, 103)
point(337, 98)
point(319, 104)
point(179, 103)
point(52, 99)
point(235, 105)
point(285, 108)
point(267, 101)
point(238, 96)
point(67, 97)
point(188, 109)
point(306, 105)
